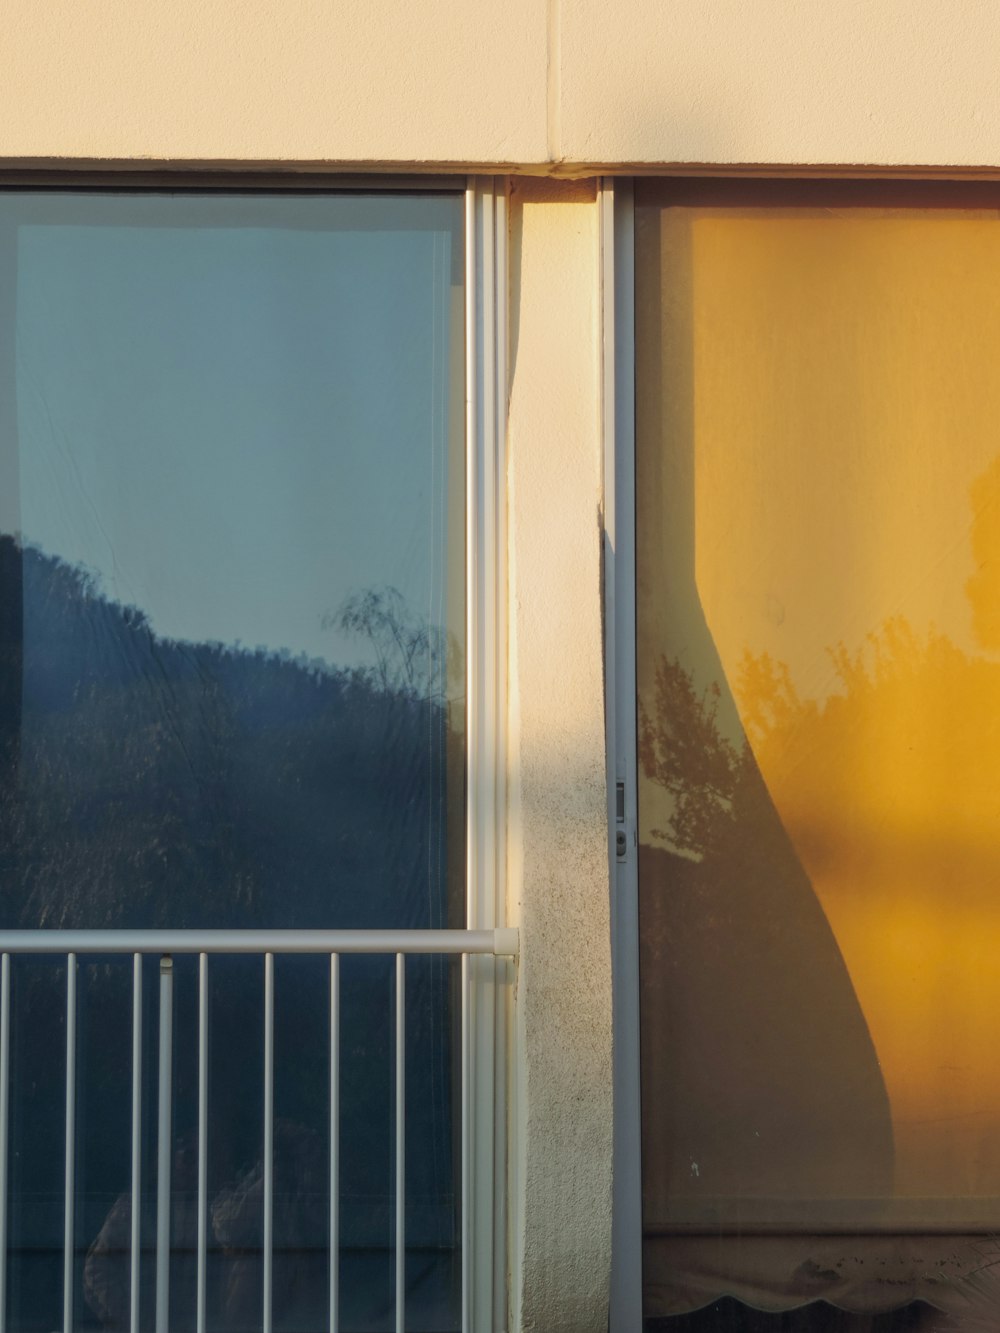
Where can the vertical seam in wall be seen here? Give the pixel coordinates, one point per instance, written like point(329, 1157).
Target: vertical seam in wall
point(553, 75)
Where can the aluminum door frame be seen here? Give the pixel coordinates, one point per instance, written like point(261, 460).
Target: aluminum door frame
point(618, 424)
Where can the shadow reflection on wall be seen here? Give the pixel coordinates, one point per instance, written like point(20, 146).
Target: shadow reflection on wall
point(759, 1076)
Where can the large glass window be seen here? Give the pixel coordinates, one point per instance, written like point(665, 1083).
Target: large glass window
point(818, 609)
point(232, 635)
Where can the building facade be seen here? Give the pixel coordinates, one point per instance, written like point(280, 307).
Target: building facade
point(546, 111)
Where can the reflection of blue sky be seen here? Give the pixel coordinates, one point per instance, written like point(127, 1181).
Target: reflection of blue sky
point(235, 410)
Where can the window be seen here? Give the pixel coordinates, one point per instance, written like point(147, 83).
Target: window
point(817, 583)
point(233, 694)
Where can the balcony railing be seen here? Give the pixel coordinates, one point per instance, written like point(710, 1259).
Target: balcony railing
point(162, 945)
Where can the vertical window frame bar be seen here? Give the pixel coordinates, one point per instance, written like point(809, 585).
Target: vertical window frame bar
point(484, 1226)
point(617, 222)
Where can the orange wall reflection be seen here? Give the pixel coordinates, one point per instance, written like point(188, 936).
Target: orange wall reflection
point(826, 554)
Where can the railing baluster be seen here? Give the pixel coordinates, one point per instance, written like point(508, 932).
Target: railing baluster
point(466, 1112)
point(334, 1142)
point(163, 1147)
point(4, 1124)
point(70, 1154)
point(398, 943)
point(268, 1137)
point(136, 1142)
point(202, 1140)
point(400, 1142)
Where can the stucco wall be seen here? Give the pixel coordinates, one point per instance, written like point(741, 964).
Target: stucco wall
point(273, 80)
point(547, 84)
point(779, 81)
point(558, 857)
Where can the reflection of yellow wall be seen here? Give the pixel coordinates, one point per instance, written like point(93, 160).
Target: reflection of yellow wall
point(846, 396)
point(890, 790)
point(841, 430)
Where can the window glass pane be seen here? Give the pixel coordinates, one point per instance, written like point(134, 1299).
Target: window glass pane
point(818, 482)
point(232, 591)
point(232, 558)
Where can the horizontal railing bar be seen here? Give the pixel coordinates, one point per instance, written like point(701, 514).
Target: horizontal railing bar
point(503, 943)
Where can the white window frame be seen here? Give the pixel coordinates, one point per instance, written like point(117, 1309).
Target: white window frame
point(618, 424)
point(485, 1213)
point(485, 1216)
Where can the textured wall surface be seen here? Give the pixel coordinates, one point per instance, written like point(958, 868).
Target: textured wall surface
point(558, 859)
point(361, 81)
point(783, 81)
point(547, 84)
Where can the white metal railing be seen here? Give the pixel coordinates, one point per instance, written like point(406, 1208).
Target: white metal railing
point(163, 944)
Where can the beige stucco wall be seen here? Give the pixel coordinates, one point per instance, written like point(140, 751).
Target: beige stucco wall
point(549, 84)
point(558, 854)
point(780, 81)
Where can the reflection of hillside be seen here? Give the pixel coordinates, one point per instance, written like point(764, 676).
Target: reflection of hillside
point(747, 1004)
point(147, 781)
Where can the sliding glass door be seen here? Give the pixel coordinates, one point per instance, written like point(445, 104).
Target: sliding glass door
point(818, 626)
point(232, 694)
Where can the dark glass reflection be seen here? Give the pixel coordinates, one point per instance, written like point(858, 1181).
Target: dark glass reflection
point(231, 628)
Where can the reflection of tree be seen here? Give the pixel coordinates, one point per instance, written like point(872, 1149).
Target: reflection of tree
point(878, 798)
point(870, 803)
point(682, 749)
point(411, 656)
point(747, 1005)
point(887, 776)
point(901, 732)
